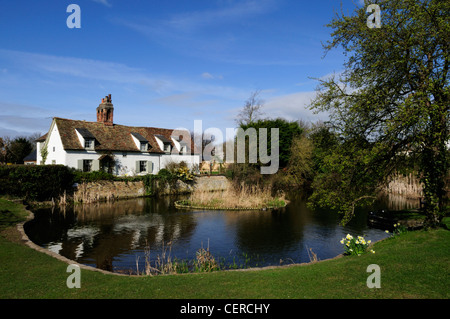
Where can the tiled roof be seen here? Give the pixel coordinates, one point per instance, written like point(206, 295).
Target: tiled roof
point(85, 133)
point(111, 138)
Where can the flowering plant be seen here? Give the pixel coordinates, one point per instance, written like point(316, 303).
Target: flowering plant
point(399, 229)
point(355, 246)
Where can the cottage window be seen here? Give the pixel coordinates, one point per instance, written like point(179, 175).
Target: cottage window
point(87, 165)
point(89, 144)
point(142, 166)
point(167, 148)
point(144, 146)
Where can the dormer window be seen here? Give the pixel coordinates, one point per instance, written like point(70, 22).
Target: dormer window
point(144, 147)
point(164, 143)
point(140, 141)
point(86, 138)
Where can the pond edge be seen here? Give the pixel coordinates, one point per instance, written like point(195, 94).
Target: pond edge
point(26, 240)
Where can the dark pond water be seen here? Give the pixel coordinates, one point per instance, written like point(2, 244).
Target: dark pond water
point(113, 236)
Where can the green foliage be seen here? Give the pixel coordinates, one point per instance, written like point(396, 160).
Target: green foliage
point(44, 154)
point(300, 169)
point(276, 203)
point(399, 229)
point(249, 173)
point(287, 132)
point(86, 177)
point(154, 184)
point(18, 149)
point(35, 182)
point(390, 106)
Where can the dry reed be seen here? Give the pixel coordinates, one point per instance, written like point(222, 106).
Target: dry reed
point(247, 197)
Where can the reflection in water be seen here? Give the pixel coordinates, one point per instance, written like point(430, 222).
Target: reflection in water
point(113, 236)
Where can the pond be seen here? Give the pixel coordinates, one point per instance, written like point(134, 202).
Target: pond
point(116, 236)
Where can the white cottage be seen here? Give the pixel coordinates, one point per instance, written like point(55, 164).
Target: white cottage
point(117, 149)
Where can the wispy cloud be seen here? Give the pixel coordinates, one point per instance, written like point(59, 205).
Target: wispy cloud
point(209, 76)
point(215, 34)
point(19, 119)
point(190, 21)
point(82, 68)
point(104, 2)
point(151, 96)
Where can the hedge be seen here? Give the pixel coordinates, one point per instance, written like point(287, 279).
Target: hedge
point(35, 182)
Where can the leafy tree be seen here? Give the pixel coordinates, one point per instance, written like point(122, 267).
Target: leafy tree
point(2, 150)
point(300, 169)
point(390, 103)
point(287, 132)
point(18, 149)
point(324, 142)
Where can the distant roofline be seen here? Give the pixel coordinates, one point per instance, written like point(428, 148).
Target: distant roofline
point(95, 122)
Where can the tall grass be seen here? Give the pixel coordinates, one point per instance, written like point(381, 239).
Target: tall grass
point(244, 197)
point(165, 265)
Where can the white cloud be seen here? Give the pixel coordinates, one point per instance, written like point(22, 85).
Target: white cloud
point(293, 107)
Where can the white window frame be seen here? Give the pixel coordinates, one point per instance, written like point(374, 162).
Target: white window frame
point(89, 144)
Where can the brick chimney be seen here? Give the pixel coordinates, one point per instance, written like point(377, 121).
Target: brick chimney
point(105, 111)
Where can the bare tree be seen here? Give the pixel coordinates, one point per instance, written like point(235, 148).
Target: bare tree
point(251, 111)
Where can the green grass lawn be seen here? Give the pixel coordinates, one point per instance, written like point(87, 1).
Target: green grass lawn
point(413, 265)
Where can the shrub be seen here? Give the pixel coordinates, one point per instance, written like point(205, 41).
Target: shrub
point(184, 174)
point(85, 177)
point(35, 182)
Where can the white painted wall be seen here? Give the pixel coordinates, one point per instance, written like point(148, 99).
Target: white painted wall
point(56, 152)
point(190, 160)
point(125, 161)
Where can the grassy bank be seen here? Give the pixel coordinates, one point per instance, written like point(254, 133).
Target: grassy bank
point(413, 265)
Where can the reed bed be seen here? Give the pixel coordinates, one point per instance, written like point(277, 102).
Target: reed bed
point(246, 197)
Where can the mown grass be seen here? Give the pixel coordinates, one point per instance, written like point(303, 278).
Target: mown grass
point(413, 265)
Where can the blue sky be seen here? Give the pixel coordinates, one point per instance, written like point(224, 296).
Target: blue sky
point(166, 63)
